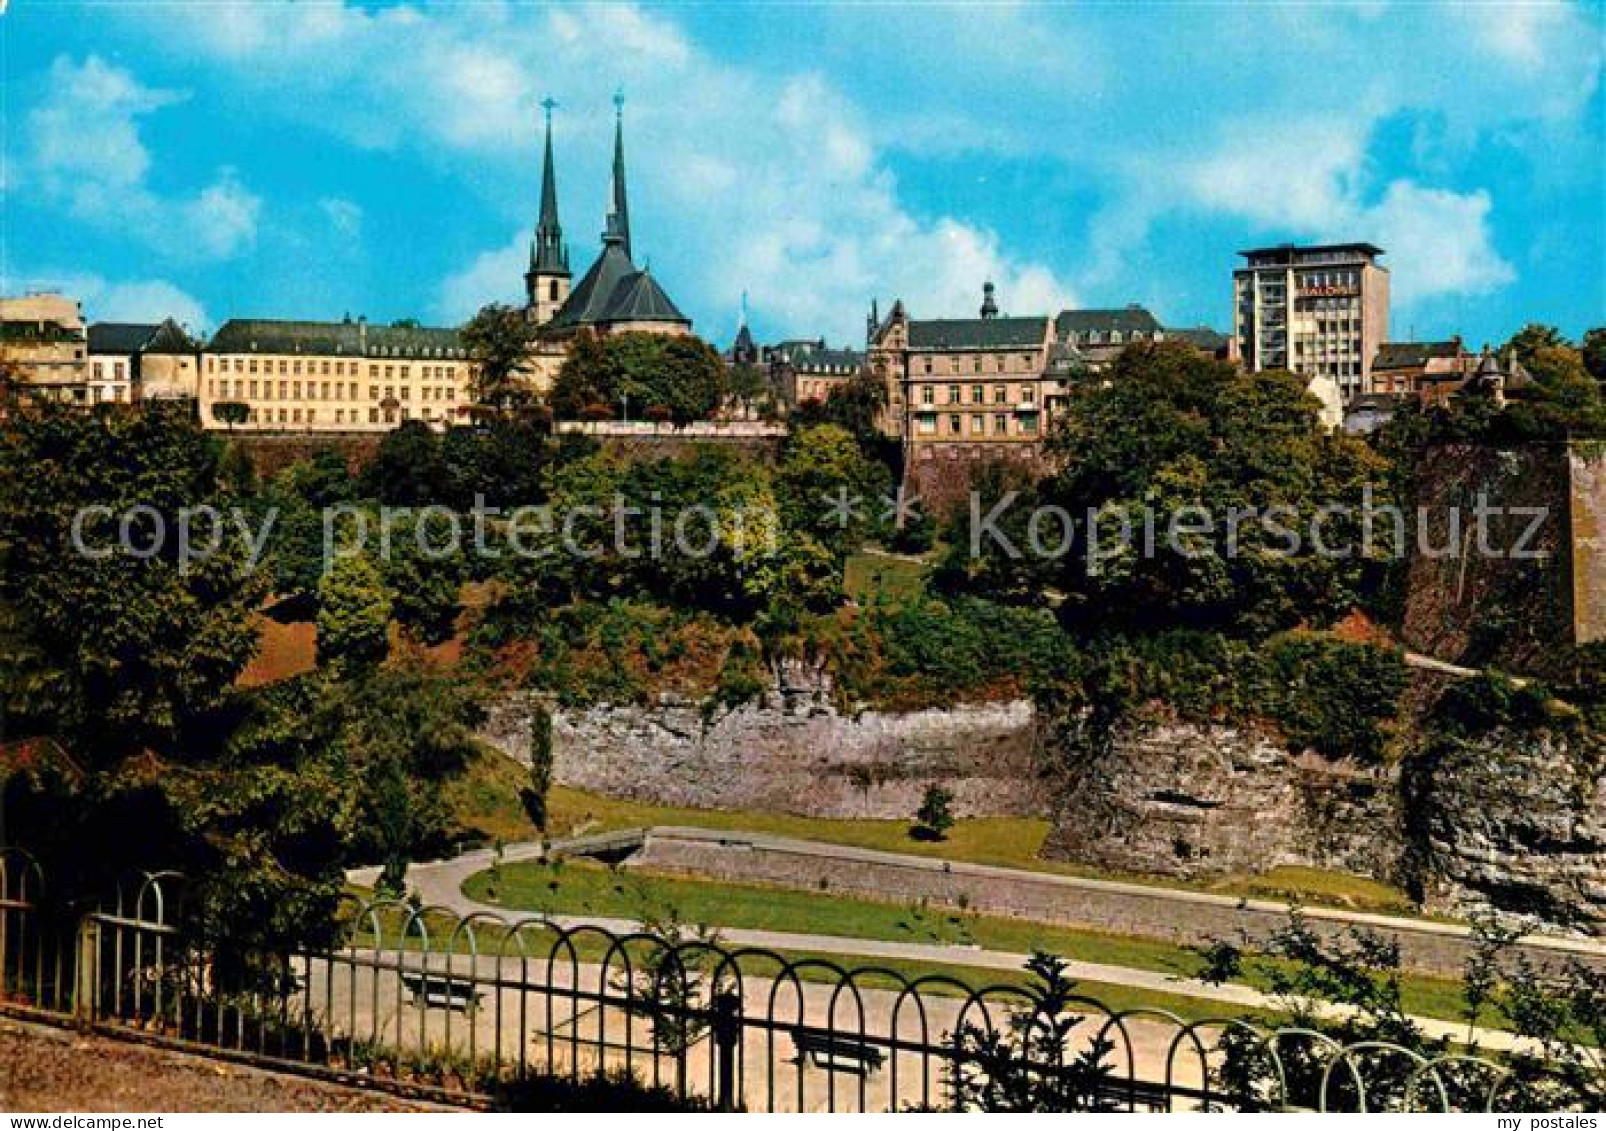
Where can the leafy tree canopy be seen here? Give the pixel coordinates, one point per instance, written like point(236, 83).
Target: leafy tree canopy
point(681, 375)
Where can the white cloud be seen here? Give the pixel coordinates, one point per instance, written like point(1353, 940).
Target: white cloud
point(493, 276)
point(86, 152)
point(771, 183)
point(1439, 242)
point(134, 300)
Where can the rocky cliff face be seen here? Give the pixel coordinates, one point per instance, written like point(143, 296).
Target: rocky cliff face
point(1516, 822)
point(1185, 800)
point(793, 752)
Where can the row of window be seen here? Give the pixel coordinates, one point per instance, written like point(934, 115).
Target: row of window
point(340, 368)
point(928, 394)
point(979, 363)
point(954, 425)
point(1111, 337)
point(341, 416)
point(320, 391)
point(117, 370)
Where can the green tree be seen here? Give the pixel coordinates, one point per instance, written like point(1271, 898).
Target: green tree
point(498, 340)
point(935, 816)
point(128, 663)
point(117, 642)
point(1532, 338)
point(424, 571)
point(1028, 1064)
point(535, 795)
point(231, 413)
point(354, 611)
point(406, 470)
point(682, 375)
point(1180, 444)
point(1593, 349)
point(828, 489)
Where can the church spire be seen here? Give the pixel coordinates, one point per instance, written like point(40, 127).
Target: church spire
point(618, 229)
point(548, 256)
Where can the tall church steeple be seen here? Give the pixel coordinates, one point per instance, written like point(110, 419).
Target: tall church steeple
point(547, 281)
point(618, 229)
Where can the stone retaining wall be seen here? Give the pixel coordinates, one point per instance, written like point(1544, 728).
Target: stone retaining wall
point(793, 752)
point(1186, 918)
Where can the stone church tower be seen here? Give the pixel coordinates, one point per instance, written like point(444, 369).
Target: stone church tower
point(546, 283)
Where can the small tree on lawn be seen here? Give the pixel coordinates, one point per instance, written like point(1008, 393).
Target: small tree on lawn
point(534, 795)
point(935, 816)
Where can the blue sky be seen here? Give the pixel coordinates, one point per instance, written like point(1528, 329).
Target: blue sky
point(261, 160)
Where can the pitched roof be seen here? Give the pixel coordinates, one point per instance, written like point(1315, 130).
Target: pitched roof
point(816, 357)
point(120, 337)
point(166, 336)
point(1126, 320)
point(170, 337)
point(639, 298)
point(977, 333)
point(1408, 355)
point(1199, 337)
point(614, 291)
point(356, 339)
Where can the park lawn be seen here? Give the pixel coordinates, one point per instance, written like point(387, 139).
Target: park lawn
point(869, 574)
point(868, 973)
point(1009, 842)
point(585, 888)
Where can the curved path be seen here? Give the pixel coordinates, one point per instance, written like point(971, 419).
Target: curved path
point(439, 884)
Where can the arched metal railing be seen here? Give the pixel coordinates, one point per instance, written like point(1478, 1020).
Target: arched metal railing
point(502, 1007)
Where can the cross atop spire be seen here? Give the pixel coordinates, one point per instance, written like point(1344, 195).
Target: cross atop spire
point(618, 229)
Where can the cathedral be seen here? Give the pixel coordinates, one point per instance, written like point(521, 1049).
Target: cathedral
point(613, 296)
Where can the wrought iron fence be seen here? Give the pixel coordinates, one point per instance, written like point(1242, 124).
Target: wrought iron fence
point(507, 1008)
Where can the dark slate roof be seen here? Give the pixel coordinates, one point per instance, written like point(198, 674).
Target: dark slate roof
point(1126, 319)
point(166, 336)
point(815, 357)
point(614, 291)
point(170, 337)
point(977, 333)
point(357, 339)
point(1199, 337)
point(639, 298)
point(120, 337)
point(1407, 355)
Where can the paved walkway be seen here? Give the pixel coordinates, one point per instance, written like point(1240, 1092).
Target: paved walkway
point(440, 884)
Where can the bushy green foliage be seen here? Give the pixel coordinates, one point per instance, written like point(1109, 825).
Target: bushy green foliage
point(115, 651)
point(1170, 436)
point(1560, 1011)
point(1338, 698)
point(354, 610)
point(498, 339)
point(935, 816)
point(406, 470)
point(928, 652)
point(680, 375)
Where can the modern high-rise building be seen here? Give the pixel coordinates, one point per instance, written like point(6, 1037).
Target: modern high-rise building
point(1320, 311)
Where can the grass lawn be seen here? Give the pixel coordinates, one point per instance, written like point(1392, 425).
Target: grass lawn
point(591, 948)
point(870, 573)
point(585, 888)
point(1011, 842)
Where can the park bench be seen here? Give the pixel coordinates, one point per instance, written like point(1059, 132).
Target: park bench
point(835, 1053)
point(441, 991)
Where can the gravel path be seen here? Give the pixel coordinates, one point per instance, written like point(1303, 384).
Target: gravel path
point(58, 1071)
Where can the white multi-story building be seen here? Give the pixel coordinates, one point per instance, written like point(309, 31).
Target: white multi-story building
point(1320, 311)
